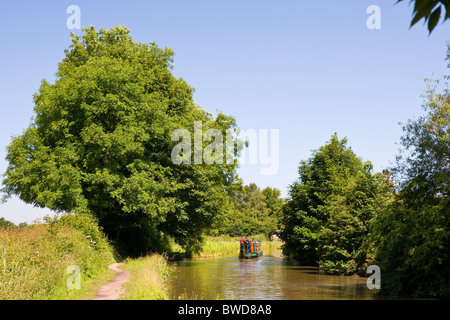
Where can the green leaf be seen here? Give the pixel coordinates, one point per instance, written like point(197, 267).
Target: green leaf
point(417, 17)
point(422, 5)
point(434, 18)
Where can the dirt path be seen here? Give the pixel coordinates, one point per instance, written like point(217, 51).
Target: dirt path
point(113, 289)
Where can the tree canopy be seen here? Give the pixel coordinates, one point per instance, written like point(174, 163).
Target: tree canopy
point(327, 216)
point(100, 142)
point(251, 212)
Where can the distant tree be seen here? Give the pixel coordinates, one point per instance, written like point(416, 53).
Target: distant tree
point(431, 11)
point(254, 201)
point(327, 216)
point(23, 225)
point(248, 214)
point(100, 142)
point(273, 200)
point(5, 223)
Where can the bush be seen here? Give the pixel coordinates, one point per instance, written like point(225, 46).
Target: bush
point(34, 260)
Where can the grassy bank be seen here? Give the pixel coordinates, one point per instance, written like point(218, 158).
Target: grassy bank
point(225, 245)
point(148, 279)
point(34, 260)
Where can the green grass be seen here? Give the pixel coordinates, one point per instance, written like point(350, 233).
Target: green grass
point(148, 280)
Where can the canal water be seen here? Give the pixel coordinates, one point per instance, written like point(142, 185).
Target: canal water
point(267, 278)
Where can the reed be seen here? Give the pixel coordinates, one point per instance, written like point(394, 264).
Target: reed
point(225, 245)
point(148, 279)
point(215, 248)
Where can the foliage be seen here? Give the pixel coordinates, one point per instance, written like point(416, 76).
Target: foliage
point(90, 229)
point(100, 143)
point(273, 201)
point(5, 223)
point(35, 259)
point(250, 212)
point(431, 11)
point(413, 237)
point(423, 170)
point(331, 206)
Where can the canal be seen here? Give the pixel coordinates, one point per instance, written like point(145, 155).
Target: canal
point(267, 278)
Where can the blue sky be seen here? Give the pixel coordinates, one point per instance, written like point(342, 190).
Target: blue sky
point(307, 68)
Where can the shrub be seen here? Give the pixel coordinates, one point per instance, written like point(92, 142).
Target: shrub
point(34, 260)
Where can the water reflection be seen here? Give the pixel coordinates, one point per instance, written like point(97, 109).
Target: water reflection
point(267, 278)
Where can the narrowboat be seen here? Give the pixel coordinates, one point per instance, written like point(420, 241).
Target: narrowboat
point(252, 251)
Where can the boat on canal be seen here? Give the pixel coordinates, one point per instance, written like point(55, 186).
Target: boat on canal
point(252, 251)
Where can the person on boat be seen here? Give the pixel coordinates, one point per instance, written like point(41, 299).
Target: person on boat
point(247, 245)
point(243, 245)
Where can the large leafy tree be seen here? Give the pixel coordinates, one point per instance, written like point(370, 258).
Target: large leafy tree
point(330, 207)
point(100, 142)
point(413, 237)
